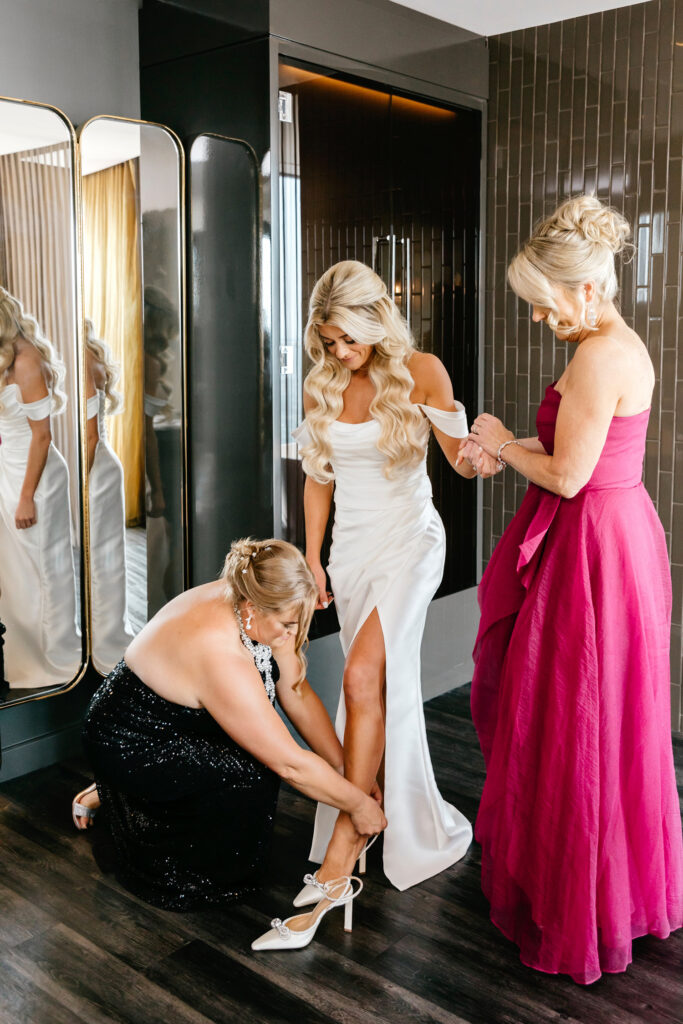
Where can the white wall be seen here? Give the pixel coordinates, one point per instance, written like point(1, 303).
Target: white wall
point(78, 55)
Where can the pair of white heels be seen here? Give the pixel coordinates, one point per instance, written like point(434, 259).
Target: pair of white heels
point(296, 932)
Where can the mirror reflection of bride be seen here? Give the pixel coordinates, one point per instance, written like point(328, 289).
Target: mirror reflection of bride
point(111, 630)
point(37, 581)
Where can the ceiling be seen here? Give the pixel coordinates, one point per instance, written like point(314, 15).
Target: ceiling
point(491, 17)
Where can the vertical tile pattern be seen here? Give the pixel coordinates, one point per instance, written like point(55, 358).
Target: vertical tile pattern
point(591, 104)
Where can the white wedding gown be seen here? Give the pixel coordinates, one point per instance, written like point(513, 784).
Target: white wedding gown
point(111, 630)
point(37, 580)
point(388, 550)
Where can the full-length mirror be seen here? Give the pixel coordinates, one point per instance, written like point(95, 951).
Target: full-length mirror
point(41, 567)
point(132, 187)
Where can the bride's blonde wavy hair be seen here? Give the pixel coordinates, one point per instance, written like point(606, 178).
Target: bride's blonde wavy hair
point(112, 370)
point(576, 244)
point(14, 322)
point(354, 298)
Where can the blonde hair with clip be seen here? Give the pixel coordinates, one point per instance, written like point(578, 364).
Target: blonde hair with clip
point(273, 575)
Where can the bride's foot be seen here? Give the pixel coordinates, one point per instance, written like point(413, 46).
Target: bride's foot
point(341, 856)
point(297, 931)
point(314, 889)
point(84, 807)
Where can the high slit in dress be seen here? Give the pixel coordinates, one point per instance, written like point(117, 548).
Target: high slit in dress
point(388, 550)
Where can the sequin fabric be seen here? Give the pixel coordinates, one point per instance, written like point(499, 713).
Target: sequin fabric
point(189, 811)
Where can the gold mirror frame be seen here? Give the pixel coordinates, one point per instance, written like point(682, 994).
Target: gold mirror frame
point(56, 691)
point(182, 330)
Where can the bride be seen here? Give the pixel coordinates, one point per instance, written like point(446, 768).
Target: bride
point(37, 581)
point(111, 628)
point(369, 400)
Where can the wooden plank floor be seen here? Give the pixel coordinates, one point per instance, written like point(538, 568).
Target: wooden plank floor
point(76, 948)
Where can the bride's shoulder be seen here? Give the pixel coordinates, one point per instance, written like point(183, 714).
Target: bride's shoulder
point(429, 374)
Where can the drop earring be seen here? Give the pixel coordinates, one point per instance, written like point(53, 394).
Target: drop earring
point(591, 315)
point(247, 624)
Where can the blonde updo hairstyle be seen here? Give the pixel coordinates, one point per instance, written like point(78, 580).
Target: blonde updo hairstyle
point(101, 352)
point(15, 323)
point(576, 244)
point(354, 298)
point(273, 575)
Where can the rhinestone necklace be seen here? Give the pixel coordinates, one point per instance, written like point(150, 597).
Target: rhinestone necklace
point(262, 655)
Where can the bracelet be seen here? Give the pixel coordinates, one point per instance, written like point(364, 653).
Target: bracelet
point(504, 445)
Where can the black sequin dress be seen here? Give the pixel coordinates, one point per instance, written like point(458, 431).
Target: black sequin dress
point(190, 812)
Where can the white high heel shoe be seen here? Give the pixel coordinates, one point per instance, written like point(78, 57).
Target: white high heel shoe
point(296, 932)
point(314, 890)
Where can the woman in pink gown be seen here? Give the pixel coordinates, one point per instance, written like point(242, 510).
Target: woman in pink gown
point(579, 821)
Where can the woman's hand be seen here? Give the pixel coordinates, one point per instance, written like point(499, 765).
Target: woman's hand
point(481, 461)
point(369, 818)
point(25, 514)
point(324, 596)
point(489, 433)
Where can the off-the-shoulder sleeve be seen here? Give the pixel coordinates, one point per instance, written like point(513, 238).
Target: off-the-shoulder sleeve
point(93, 405)
point(152, 405)
point(301, 434)
point(37, 410)
point(453, 423)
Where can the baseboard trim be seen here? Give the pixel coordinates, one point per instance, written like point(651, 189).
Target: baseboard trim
point(40, 751)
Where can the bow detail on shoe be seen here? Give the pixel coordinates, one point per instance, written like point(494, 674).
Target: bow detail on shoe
point(282, 928)
point(322, 886)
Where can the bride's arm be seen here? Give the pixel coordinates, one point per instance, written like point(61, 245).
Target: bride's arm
point(28, 377)
point(317, 505)
point(432, 380)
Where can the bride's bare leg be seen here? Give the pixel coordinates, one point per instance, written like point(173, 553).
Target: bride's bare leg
point(364, 737)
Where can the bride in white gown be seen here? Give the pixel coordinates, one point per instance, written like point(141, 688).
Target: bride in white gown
point(369, 400)
point(111, 629)
point(37, 580)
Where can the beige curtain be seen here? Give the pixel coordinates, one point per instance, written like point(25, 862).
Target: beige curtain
point(113, 301)
point(38, 267)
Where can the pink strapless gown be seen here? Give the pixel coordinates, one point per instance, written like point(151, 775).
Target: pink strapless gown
point(579, 820)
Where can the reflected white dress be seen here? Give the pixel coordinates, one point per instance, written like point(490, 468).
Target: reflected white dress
point(388, 551)
point(37, 580)
point(111, 630)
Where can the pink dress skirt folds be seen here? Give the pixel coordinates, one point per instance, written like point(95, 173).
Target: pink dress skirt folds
point(579, 820)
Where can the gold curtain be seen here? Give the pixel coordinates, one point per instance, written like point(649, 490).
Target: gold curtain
point(38, 266)
point(113, 301)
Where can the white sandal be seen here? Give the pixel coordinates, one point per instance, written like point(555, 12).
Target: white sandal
point(340, 893)
point(314, 890)
point(79, 810)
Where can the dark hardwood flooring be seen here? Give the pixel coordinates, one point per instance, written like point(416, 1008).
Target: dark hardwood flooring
point(75, 948)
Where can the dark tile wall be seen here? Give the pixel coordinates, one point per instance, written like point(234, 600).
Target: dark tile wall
point(592, 104)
